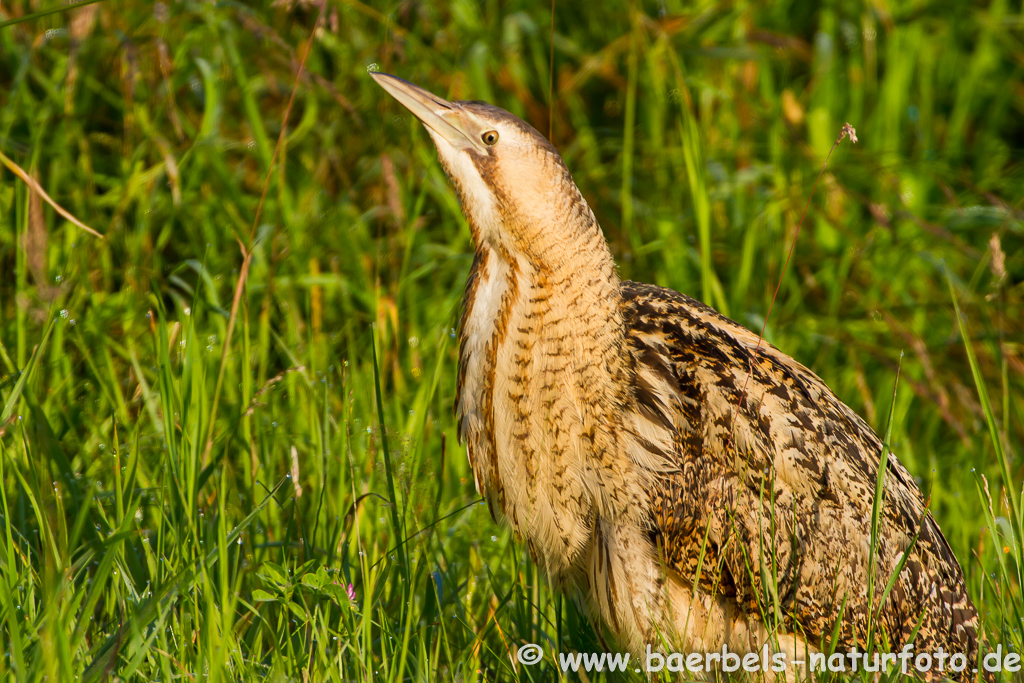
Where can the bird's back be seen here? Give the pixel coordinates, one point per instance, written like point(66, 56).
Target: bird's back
point(771, 501)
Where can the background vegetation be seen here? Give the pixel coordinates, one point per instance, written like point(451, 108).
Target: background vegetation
point(131, 545)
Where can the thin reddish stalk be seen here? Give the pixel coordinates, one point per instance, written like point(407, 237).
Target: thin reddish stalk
point(243, 273)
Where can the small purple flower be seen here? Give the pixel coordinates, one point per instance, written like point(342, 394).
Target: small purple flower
point(351, 592)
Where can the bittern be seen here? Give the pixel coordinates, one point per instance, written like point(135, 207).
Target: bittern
point(689, 481)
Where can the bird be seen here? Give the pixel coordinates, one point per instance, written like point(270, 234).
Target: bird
point(694, 487)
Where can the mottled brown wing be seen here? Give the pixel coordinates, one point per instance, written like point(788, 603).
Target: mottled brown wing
point(773, 494)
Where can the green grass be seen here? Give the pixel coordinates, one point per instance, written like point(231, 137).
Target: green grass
point(130, 549)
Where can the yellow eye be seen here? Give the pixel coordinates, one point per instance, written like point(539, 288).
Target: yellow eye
point(490, 137)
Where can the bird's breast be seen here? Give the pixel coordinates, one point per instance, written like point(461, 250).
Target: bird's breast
point(540, 402)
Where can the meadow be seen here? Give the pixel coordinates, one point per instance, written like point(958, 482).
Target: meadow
point(227, 444)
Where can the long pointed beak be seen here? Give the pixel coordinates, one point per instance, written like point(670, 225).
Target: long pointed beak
point(439, 115)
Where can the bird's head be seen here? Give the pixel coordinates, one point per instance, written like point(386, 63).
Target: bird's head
point(515, 189)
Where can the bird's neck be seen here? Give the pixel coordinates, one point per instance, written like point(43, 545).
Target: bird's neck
point(544, 293)
point(543, 380)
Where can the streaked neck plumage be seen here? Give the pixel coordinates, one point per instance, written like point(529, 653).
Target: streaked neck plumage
point(543, 363)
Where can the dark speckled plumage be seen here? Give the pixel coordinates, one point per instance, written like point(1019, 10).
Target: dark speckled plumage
point(811, 524)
